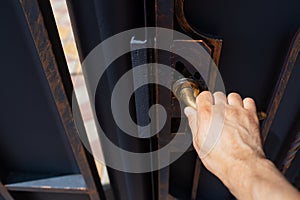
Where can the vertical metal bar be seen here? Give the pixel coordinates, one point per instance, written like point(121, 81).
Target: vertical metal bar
point(93, 22)
point(139, 57)
point(196, 178)
point(164, 11)
point(43, 45)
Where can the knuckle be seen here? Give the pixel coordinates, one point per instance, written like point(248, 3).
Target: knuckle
point(206, 109)
point(219, 93)
point(205, 114)
point(256, 129)
point(233, 95)
point(253, 118)
point(249, 100)
point(232, 112)
point(202, 96)
point(205, 93)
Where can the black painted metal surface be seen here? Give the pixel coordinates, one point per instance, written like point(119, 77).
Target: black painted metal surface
point(94, 21)
point(256, 37)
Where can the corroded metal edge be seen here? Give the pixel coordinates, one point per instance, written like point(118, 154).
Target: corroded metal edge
point(281, 85)
point(214, 43)
point(291, 154)
point(44, 49)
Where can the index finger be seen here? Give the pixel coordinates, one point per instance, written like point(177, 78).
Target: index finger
point(204, 103)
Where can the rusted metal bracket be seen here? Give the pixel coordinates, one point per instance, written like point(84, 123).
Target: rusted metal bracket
point(213, 43)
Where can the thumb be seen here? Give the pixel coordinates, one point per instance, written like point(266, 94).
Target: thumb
point(192, 117)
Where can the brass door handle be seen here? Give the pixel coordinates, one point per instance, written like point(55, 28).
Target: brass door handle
point(187, 89)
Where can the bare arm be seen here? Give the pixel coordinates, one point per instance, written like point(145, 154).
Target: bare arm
point(237, 158)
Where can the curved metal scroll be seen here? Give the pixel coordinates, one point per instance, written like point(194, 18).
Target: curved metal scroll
point(213, 43)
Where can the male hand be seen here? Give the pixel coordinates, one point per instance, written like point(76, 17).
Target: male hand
point(237, 158)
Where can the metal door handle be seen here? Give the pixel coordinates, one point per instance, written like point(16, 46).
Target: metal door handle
point(187, 89)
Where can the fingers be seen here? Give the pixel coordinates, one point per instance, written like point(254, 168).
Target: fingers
point(249, 104)
point(219, 98)
point(204, 105)
point(192, 117)
point(235, 99)
point(205, 98)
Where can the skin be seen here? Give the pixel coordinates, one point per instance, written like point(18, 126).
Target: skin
point(237, 159)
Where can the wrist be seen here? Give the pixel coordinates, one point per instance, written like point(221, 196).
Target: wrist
point(242, 179)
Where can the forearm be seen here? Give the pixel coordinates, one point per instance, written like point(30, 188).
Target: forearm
point(261, 180)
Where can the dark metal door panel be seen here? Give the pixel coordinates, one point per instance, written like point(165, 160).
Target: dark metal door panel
point(93, 22)
point(256, 37)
